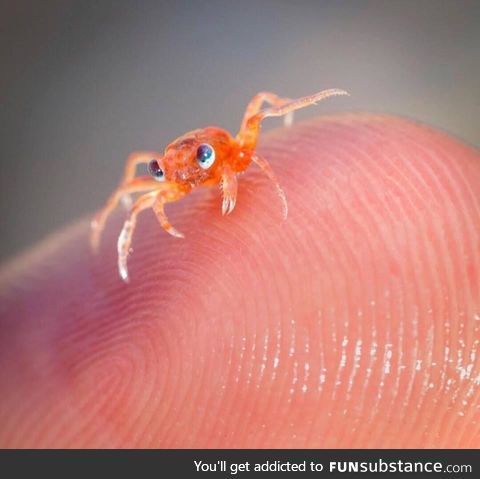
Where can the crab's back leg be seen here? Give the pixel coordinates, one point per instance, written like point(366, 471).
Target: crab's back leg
point(257, 101)
point(136, 158)
point(136, 185)
point(248, 134)
point(267, 169)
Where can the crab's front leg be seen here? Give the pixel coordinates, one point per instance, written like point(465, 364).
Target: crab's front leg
point(125, 237)
point(229, 190)
point(136, 185)
point(159, 209)
point(156, 200)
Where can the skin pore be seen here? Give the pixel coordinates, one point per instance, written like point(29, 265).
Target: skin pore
point(355, 323)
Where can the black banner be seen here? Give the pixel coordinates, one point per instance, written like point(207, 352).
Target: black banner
point(241, 463)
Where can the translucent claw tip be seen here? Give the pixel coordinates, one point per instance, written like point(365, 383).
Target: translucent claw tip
point(123, 271)
point(123, 250)
point(176, 233)
point(339, 91)
point(227, 206)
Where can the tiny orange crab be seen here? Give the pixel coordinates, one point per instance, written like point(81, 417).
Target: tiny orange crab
point(203, 157)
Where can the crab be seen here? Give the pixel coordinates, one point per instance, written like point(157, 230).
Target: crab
point(204, 157)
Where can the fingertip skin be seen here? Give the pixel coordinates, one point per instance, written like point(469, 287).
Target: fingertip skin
point(354, 323)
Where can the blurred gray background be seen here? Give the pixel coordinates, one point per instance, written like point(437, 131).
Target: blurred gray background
point(83, 83)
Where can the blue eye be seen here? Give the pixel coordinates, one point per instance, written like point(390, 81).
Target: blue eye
point(205, 156)
point(155, 170)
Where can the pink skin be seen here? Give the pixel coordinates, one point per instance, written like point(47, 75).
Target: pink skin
point(353, 324)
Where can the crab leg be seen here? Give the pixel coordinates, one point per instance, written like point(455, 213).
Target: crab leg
point(125, 237)
point(134, 159)
point(229, 189)
point(142, 183)
point(248, 134)
point(158, 207)
point(256, 104)
point(155, 200)
point(267, 169)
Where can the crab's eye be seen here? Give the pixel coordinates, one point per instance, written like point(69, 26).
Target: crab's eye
point(155, 170)
point(205, 155)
